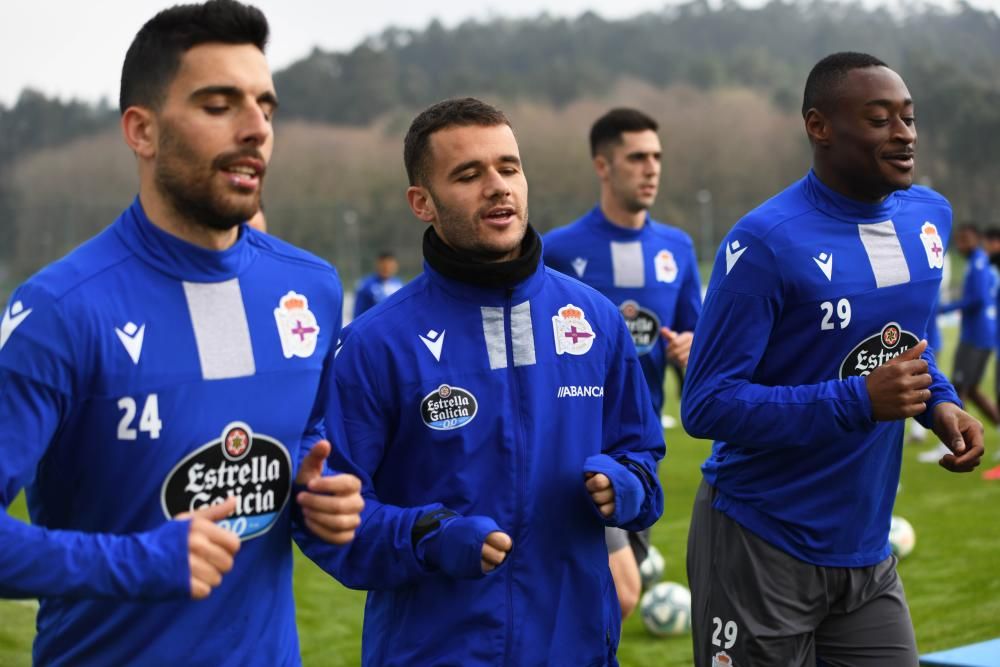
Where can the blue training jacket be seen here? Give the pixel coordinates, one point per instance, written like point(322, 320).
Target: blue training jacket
point(141, 377)
point(650, 273)
point(810, 292)
point(978, 302)
point(372, 290)
point(491, 403)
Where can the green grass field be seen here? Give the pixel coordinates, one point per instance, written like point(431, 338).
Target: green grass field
point(952, 579)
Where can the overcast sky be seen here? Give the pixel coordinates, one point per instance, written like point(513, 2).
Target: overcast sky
point(71, 48)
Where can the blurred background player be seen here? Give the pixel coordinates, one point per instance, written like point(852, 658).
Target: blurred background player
point(806, 360)
point(648, 269)
point(991, 244)
point(141, 378)
point(375, 287)
point(497, 412)
point(977, 336)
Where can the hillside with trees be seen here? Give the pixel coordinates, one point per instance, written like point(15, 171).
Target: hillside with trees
point(724, 82)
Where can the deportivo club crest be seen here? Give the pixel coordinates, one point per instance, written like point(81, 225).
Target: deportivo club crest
point(255, 469)
point(297, 326)
point(573, 332)
point(643, 324)
point(933, 245)
point(666, 266)
point(877, 350)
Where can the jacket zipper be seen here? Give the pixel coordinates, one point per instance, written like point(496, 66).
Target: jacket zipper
point(518, 471)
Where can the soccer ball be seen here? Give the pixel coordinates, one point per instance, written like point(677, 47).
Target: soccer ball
point(901, 537)
point(651, 568)
point(666, 609)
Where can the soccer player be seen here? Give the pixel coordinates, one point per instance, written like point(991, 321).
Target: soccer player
point(498, 415)
point(808, 355)
point(160, 386)
point(648, 269)
point(375, 287)
point(979, 321)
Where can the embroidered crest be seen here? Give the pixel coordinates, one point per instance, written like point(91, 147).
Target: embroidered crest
point(722, 659)
point(297, 326)
point(666, 266)
point(573, 332)
point(933, 245)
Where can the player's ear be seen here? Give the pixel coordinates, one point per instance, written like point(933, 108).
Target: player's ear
point(421, 203)
point(818, 127)
point(139, 131)
point(601, 166)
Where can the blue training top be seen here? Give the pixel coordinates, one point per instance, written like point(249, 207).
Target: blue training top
point(810, 293)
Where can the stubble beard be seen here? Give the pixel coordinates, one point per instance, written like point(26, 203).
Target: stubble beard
point(190, 189)
point(462, 237)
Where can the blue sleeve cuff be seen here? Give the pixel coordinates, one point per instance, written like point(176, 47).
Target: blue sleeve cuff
point(628, 488)
point(456, 546)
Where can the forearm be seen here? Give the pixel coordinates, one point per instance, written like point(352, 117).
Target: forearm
point(55, 563)
point(380, 557)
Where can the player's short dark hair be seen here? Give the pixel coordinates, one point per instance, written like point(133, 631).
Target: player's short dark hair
point(827, 75)
point(460, 111)
point(608, 129)
point(993, 233)
point(154, 57)
point(385, 254)
point(969, 227)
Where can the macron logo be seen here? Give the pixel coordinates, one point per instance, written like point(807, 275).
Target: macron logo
point(579, 265)
point(131, 337)
point(733, 254)
point(12, 318)
point(434, 342)
point(825, 263)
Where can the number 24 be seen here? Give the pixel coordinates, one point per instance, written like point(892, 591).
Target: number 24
point(149, 421)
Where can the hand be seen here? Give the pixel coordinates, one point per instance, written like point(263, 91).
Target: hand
point(495, 550)
point(678, 345)
point(601, 492)
point(962, 433)
point(210, 547)
point(899, 389)
point(332, 505)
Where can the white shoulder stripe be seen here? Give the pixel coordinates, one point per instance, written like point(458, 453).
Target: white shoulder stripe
point(885, 254)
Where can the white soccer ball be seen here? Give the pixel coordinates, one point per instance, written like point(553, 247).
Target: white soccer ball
point(901, 537)
point(651, 568)
point(666, 609)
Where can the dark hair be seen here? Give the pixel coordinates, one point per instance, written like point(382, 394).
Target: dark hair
point(461, 111)
point(969, 227)
point(154, 57)
point(826, 75)
point(993, 233)
point(385, 254)
point(608, 129)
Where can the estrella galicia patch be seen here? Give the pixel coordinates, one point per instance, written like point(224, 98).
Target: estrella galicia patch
point(254, 468)
point(643, 324)
point(877, 350)
point(448, 408)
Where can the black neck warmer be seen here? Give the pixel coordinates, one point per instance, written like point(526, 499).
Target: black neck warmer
point(454, 265)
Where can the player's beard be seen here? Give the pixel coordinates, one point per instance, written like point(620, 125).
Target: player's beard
point(459, 231)
point(192, 188)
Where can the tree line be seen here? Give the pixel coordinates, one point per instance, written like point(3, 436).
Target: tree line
point(725, 82)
